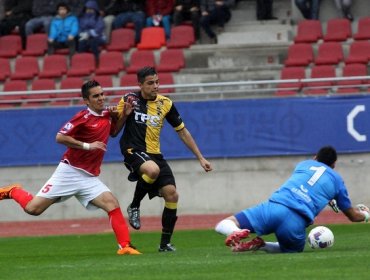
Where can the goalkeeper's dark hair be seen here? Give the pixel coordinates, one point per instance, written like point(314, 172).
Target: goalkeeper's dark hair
point(145, 72)
point(85, 89)
point(327, 155)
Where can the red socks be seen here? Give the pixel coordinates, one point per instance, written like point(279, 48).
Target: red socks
point(119, 227)
point(21, 196)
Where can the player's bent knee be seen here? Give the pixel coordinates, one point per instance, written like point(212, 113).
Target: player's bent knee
point(148, 179)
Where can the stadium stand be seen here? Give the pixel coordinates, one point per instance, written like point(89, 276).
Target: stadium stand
point(299, 55)
point(139, 59)
point(182, 36)
point(290, 88)
point(110, 63)
point(338, 29)
point(329, 53)
point(152, 38)
point(4, 69)
point(320, 71)
point(308, 31)
point(352, 86)
point(363, 29)
point(54, 66)
point(359, 52)
point(82, 64)
point(122, 39)
point(171, 60)
point(26, 68)
point(10, 46)
point(36, 45)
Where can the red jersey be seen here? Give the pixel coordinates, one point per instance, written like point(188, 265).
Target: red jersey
point(87, 126)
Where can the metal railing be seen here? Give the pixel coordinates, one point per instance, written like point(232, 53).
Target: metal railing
point(196, 91)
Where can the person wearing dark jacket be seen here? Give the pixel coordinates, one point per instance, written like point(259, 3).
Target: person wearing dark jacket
point(42, 12)
point(91, 35)
point(187, 10)
point(17, 13)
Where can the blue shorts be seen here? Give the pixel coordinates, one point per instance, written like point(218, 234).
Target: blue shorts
point(270, 217)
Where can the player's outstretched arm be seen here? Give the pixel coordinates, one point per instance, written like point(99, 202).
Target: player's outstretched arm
point(74, 143)
point(360, 213)
point(189, 141)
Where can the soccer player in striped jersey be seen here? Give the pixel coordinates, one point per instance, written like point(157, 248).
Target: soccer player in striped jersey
point(140, 146)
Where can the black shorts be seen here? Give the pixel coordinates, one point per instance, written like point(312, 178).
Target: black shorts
point(136, 158)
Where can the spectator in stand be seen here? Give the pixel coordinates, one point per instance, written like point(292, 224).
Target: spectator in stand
point(188, 10)
point(2, 9)
point(344, 7)
point(16, 14)
point(76, 7)
point(159, 13)
point(264, 10)
point(214, 12)
point(309, 8)
point(63, 30)
point(91, 35)
point(126, 11)
point(42, 12)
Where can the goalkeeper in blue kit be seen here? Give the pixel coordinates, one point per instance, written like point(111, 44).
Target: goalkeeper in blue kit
point(292, 208)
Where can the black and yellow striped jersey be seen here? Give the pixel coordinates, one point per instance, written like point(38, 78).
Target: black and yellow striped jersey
point(143, 126)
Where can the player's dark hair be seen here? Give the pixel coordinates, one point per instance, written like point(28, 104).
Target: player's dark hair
point(327, 155)
point(85, 89)
point(145, 72)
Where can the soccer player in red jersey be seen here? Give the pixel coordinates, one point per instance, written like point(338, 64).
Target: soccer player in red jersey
point(86, 136)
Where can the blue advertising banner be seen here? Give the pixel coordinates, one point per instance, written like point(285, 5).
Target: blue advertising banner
point(222, 128)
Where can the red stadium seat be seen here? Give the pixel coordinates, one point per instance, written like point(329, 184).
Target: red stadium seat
point(129, 80)
point(4, 69)
point(26, 68)
point(352, 70)
point(359, 52)
point(338, 30)
point(36, 45)
point(43, 84)
point(182, 36)
point(15, 85)
point(122, 39)
point(82, 64)
point(152, 38)
point(299, 55)
point(105, 81)
point(329, 53)
point(110, 63)
point(140, 59)
point(55, 66)
point(10, 46)
point(290, 73)
point(320, 71)
point(171, 60)
point(363, 32)
point(166, 79)
point(308, 31)
point(70, 83)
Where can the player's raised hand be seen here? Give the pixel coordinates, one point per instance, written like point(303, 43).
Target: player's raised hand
point(129, 105)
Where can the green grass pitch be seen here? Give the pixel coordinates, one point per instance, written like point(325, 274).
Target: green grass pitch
point(200, 255)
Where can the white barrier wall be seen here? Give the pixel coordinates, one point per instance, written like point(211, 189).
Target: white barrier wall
point(233, 185)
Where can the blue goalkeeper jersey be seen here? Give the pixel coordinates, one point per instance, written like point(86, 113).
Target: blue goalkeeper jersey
point(310, 188)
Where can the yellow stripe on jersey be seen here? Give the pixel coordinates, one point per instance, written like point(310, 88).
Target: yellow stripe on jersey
point(156, 110)
point(120, 107)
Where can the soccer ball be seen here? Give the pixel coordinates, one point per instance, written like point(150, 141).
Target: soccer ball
point(320, 237)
